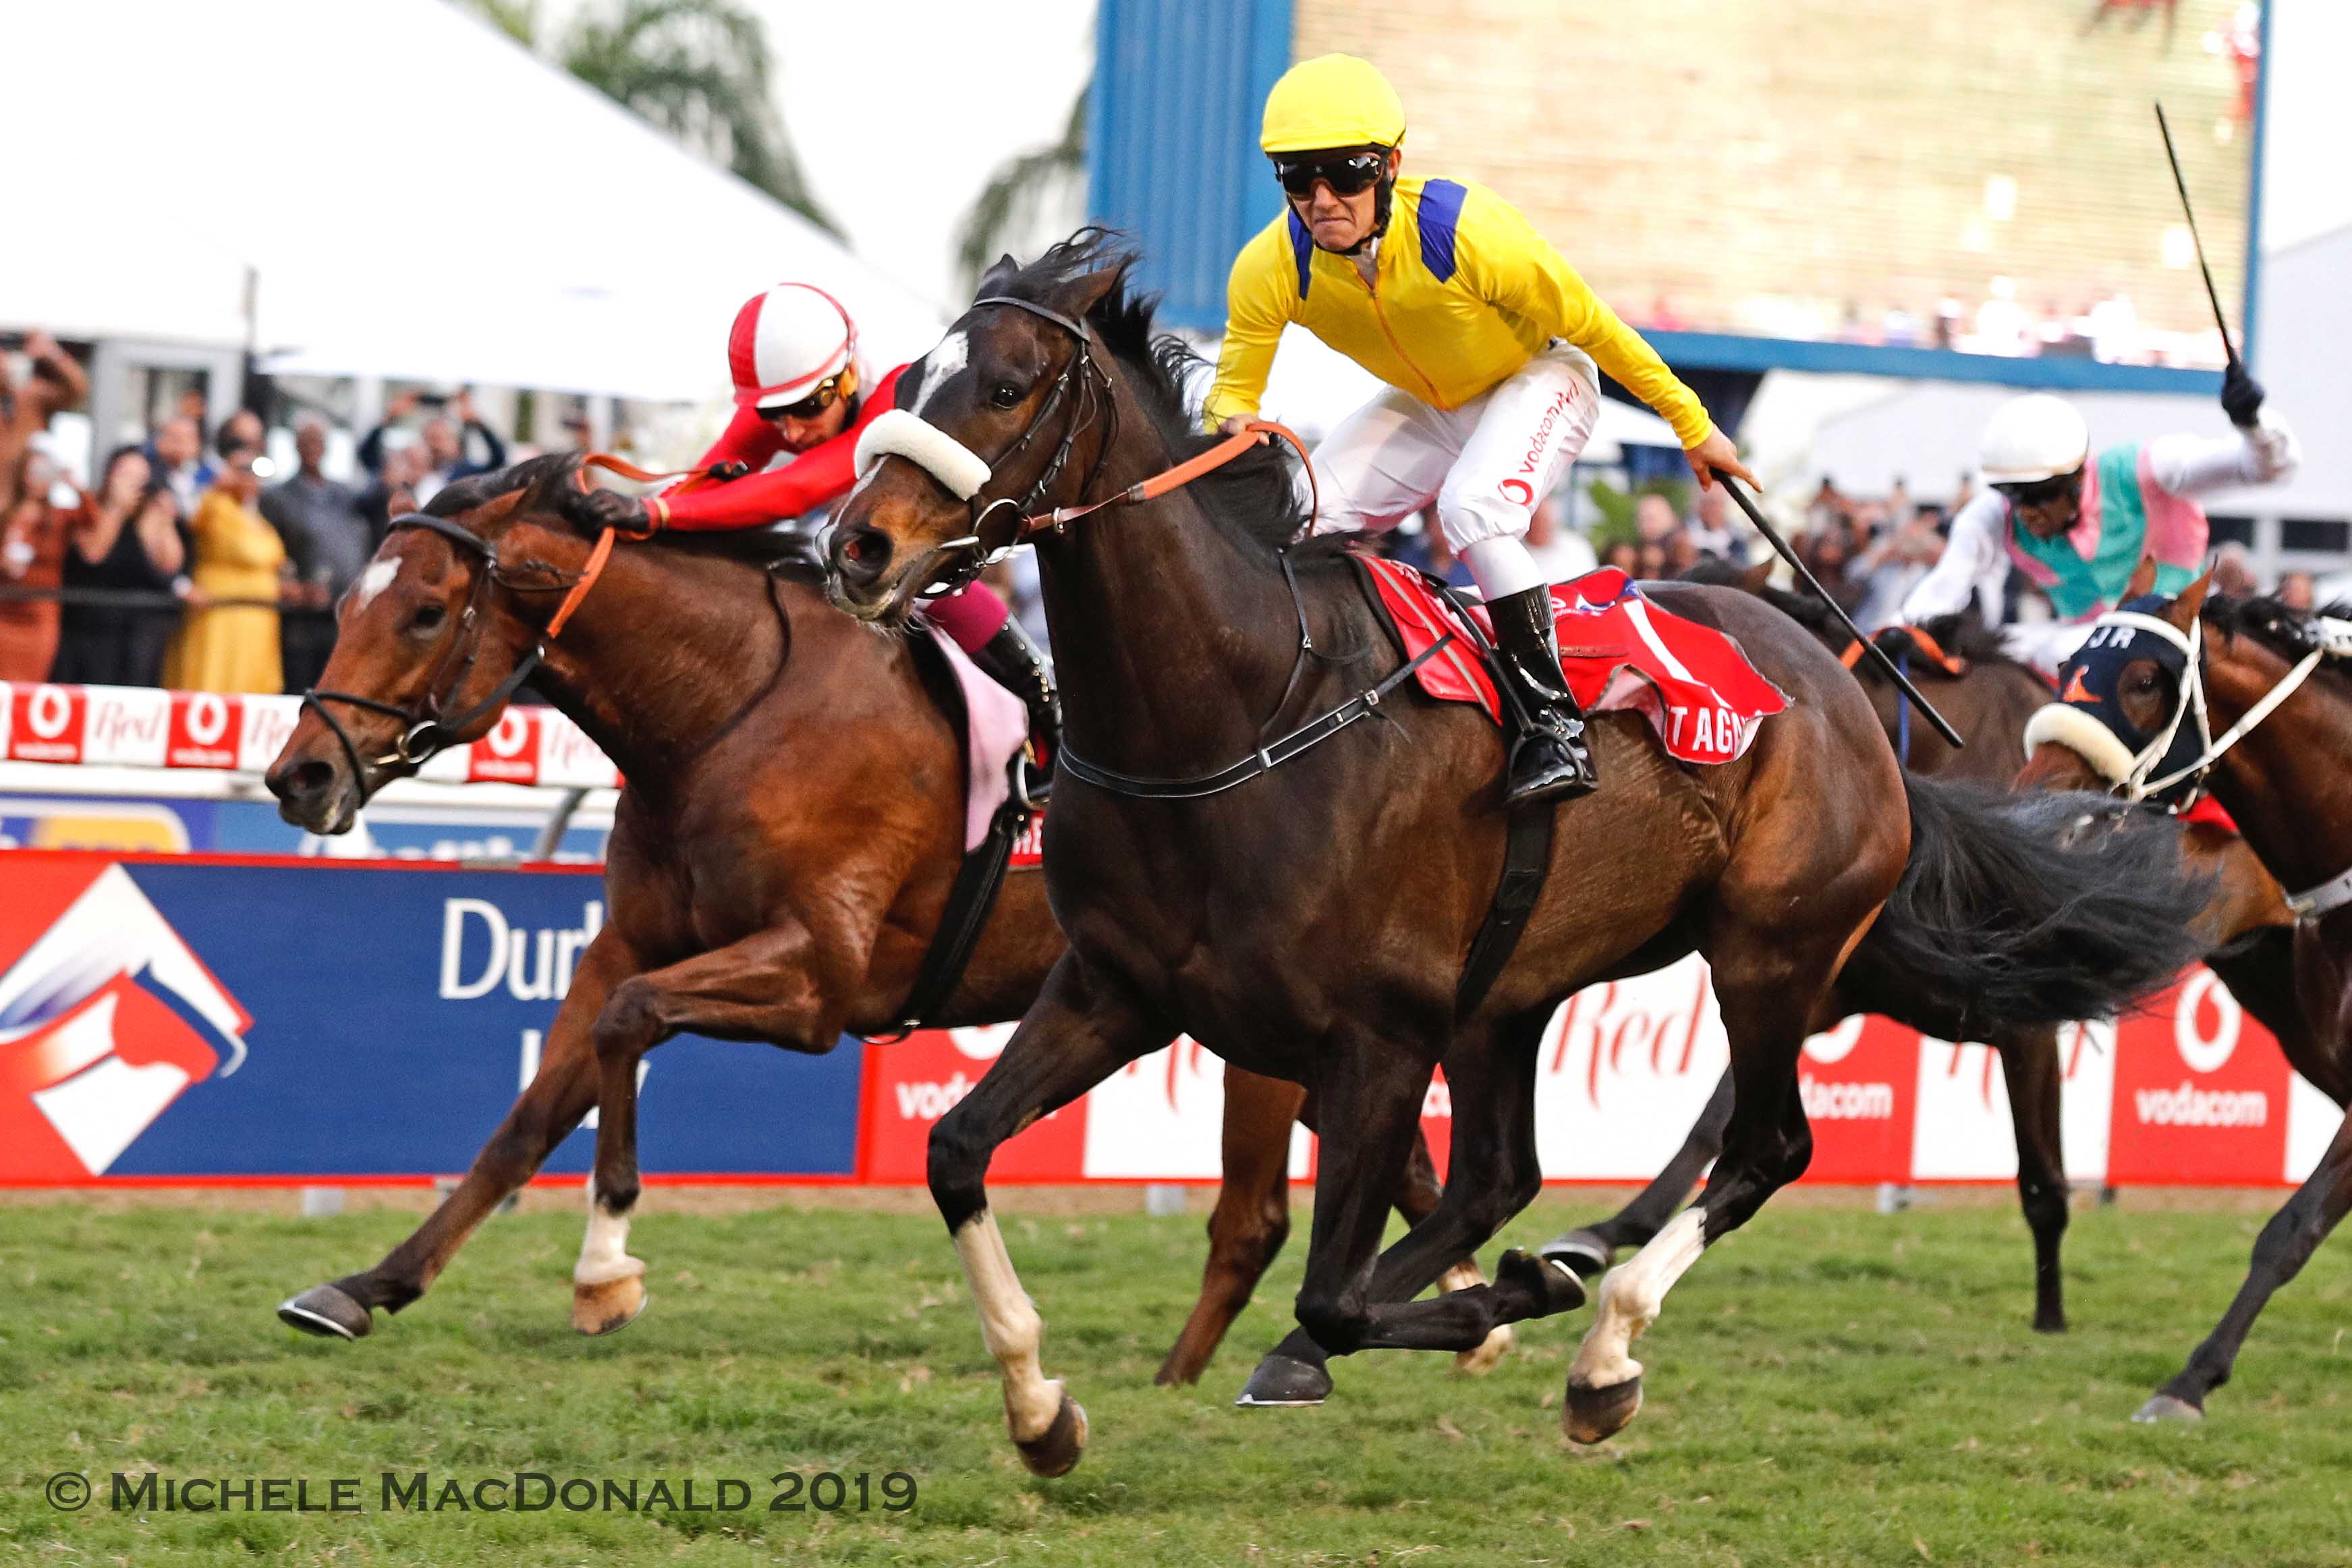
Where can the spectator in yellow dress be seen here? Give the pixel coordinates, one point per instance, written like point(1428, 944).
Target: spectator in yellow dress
point(229, 640)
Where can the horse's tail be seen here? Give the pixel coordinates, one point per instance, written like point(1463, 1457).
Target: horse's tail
point(2029, 909)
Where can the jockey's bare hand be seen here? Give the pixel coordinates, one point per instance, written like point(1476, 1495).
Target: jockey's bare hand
point(1717, 455)
point(1238, 424)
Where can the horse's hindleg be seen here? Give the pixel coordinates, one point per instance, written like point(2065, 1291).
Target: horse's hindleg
point(1251, 1218)
point(764, 988)
point(2285, 1244)
point(1767, 999)
point(1080, 1030)
point(2029, 1061)
point(1590, 1248)
point(557, 1096)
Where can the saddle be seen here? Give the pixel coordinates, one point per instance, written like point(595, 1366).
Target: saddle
point(1619, 652)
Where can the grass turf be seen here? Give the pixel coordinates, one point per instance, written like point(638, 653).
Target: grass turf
point(1830, 1387)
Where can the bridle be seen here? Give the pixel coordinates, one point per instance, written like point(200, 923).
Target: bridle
point(426, 727)
point(2128, 774)
point(1082, 383)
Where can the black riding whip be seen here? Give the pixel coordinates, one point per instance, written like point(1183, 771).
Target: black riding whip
point(2229, 349)
point(1902, 681)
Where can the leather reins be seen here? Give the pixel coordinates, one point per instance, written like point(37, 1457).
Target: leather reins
point(425, 730)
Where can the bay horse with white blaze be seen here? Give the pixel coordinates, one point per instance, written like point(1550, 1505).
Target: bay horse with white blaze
point(1313, 918)
point(778, 863)
point(2259, 698)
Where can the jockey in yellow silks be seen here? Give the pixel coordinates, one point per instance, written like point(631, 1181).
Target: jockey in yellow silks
point(1487, 340)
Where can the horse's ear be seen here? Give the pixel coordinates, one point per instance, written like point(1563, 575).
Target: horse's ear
point(994, 280)
point(1756, 578)
point(2143, 579)
point(1078, 297)
point(2182, 612)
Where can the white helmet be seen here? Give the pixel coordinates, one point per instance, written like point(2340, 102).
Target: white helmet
point(2036, 437)
point(786, 342)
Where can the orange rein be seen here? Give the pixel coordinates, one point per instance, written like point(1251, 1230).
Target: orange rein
point(603, 552)
point(1948, 663)
point(1183, 474)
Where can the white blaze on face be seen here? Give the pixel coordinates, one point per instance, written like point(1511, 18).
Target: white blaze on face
point(374, 581)
point(953, 353)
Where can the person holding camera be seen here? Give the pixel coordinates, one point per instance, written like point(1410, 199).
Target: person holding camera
point(51, 382)
point(445, 437)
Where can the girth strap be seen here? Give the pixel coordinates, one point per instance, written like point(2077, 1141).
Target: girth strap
point(971, 899)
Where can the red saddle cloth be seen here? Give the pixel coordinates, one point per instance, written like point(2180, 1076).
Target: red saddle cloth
point(1618, 650)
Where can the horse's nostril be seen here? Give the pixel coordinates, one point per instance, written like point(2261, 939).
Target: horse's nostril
point(305, 781)
point(863, 553)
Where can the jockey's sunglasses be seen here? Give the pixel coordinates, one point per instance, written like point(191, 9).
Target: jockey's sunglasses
point(828, 391)
point(1350, 176)
point(2041, 493)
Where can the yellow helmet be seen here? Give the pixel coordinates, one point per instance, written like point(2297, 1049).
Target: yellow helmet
point(1331, 101)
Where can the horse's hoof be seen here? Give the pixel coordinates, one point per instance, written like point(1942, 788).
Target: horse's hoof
point(1062, 1445)
point(1489, 1355)
point(1284, 1381)
point(608, 1307)
point(329, 1311)
point(1594, 1415)
point(1552, 1286)
point(1579, 1252)
point(2167, 1408)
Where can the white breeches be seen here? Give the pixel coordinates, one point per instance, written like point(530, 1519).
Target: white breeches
point(1485, 464)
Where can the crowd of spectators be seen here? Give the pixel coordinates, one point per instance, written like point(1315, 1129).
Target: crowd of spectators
point(189, 561)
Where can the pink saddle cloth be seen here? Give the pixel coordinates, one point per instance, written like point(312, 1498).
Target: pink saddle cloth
point(999, 726)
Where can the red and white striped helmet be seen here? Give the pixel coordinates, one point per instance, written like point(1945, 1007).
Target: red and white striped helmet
point(785, 342)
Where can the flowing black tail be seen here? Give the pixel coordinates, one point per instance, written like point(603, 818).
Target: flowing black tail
point(2030, 908)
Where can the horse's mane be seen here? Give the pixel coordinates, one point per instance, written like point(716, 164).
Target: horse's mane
point(553, 488)
point(2289, 633)
point(1253, 492)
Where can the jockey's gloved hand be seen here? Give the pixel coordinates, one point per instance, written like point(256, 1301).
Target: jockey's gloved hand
point(618, 510)
point(722, 472)
point(2241, 395)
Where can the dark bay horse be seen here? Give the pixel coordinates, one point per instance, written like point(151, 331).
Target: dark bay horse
point(1313, 918)
point(2288, 783)
point(1990, 698)
point(778, 863)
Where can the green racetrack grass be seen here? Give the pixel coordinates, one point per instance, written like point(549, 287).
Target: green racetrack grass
point(1829, 1386)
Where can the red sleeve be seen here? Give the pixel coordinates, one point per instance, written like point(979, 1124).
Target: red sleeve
point(819, 475)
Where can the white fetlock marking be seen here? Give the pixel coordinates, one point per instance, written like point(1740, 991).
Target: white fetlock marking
point(1461, 1277)
point(1010, 1326)
point(604, 1251)
point(1631, 1296)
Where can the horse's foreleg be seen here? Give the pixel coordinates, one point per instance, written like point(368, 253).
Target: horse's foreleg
point(1589, 1249)
point(1081, 1029)
point(764, 988)
point(2285, 1244)
point(1251, 1218)
point(2029, 1061)
point(557, 1096)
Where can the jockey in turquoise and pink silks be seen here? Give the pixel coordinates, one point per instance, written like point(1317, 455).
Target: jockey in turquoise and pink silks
point(802, 392)
point(2077, 524)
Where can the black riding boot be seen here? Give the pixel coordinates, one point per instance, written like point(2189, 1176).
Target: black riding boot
point(1018, 665)
point(1549, 757)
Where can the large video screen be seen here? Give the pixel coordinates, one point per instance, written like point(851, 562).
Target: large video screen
point(1979, 175)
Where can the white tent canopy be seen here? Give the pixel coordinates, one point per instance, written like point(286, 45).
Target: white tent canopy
point(410, 194)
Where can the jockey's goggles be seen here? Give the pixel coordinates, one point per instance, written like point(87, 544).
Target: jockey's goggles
point(1350, 176)
point(829, 391)
point(2041, 493)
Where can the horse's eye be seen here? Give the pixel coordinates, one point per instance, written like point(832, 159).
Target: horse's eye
point(427, 617)
point(1005, 396)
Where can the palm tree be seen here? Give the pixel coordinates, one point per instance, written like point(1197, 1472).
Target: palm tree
point(697, 68)
point(1024, 192)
